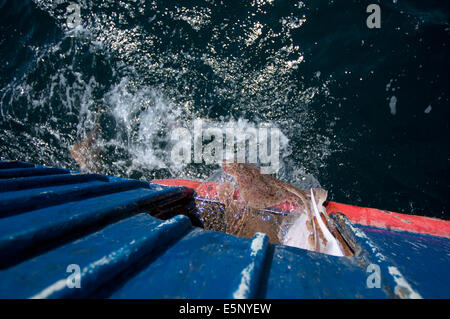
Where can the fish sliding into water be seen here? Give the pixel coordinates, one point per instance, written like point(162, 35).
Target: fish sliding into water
point(86, 152)
point(259, 191)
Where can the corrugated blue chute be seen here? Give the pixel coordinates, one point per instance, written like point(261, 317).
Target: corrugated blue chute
point(53, 221)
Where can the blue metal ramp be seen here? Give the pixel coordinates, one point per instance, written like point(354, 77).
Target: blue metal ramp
point(66, 234)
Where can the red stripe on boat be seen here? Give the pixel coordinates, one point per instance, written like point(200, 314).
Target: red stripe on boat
point(390, 220)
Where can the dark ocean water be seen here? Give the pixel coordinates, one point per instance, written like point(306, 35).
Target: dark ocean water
point(365, 112)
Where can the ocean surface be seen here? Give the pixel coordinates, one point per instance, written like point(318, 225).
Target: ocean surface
point(364, 113)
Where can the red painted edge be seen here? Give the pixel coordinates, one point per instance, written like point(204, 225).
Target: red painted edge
point(390, 220)
point(177, 182)
point(358, 215)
